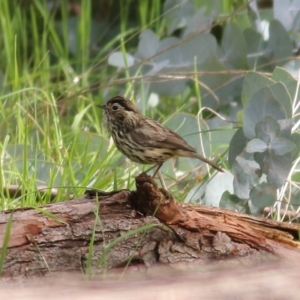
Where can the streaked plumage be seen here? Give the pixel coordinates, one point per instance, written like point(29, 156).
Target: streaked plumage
point(143, 140)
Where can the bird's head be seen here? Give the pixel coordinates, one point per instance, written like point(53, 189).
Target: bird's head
point(120, 113)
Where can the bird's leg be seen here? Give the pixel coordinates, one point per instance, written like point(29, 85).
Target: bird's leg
point(162, 180)
point(157, 171)
point(152, 167)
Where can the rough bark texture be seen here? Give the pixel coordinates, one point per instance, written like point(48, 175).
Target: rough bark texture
point(40, 243)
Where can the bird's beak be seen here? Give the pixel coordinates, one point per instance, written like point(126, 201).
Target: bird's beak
point(101, 106)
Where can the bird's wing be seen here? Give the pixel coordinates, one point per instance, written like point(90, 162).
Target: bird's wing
point(152, 134)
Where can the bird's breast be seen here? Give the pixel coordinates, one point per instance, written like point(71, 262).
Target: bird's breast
point(141, 154)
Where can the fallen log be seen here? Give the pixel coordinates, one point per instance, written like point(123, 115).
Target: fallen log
point(142, 227)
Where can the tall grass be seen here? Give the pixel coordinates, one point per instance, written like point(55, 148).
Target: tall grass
point(49, 53)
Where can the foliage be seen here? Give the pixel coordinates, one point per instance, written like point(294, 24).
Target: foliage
point(185, 61)
point(261, 152)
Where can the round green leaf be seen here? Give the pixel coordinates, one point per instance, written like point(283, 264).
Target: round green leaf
point(196, 194)
point(279, 44)
point(236, 146)
point(232, 202)
point(267, 129)
point(256, 56)
point(276, 167)
point(176, 13)
point(216, 186)
point(246, 175)
point(148, 44)
point(283, 76)
point(252, 83)
point(263, 195)
point(121, 60)
point(285, 128)
point(261, 104)
point(282, 146)
point(256, 145)
point(234, 47)
point(281, 94)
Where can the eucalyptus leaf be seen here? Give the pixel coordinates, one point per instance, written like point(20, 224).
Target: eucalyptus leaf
point(167, 88)
point(267, 129)
point(200, 50)
point(216, 186)
point(279, 44)
point(217, 83)
point(285, 128)
point(282, 75)
point(254, 210)
point(256, 145)
point(232, 202)
point(253, 82)
point(290, 83)
point(246, 175)
point(198, 22)
point(148, 44)
point(120, 60)
point(177, 13)
point(158, 67)
point(281, 94)
point(282, 146)
point(196, 194)
point(227, 89)
point(261, 104)
point(234, 48)
point(263, 195)
point(277, 168)
point(237, 146)
point(170, 52)
point(172, 60)
point(257, 56)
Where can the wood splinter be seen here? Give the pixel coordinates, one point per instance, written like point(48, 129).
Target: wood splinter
point(258, 233)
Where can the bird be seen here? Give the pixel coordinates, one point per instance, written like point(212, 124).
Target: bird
point(144, 140)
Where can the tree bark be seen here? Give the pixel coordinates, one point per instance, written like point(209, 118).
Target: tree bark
point(145, 226)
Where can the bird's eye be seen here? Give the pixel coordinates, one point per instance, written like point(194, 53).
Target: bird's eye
point(115, 107)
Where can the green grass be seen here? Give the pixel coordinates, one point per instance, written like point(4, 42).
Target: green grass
point(45, 142)
point(5, 243)
point(58, 144)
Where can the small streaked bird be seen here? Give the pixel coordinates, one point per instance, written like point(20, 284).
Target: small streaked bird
point(143, 140)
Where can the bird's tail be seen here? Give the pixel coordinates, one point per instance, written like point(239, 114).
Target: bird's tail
point(209, 162)
point(196, 155)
